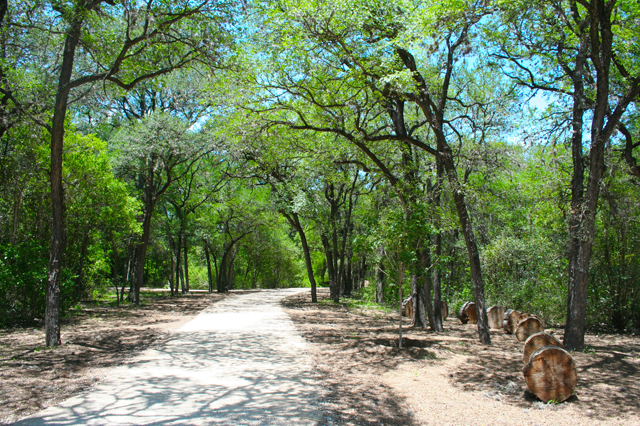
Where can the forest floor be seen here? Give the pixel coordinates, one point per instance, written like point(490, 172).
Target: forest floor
point(437, 379)
point(94, 339)
point(450, 378)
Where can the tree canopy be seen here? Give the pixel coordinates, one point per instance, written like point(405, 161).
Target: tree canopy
point(458, 151)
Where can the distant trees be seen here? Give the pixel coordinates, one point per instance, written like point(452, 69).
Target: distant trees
point(333, 143)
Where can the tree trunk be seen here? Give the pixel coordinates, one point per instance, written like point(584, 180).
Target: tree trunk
point(348, 284)
point(418, 303)
point(232, 260)
point(209, 276)
point(127, 273)
point(333, 285)
point(424, 257)
point(437, 288)
point(186, 265)
point(380, 283)
point(435, 276)
point(172, 275)
point(294, 220)
point(114, 270)
point(150, 202)
point(577, 191)
point(56, 252)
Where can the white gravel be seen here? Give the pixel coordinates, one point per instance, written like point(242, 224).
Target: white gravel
point(240, 362)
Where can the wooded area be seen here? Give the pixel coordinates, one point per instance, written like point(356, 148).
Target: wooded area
point(482, 151)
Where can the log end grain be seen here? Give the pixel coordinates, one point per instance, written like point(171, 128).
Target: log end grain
point(495, 315)
point(527, 327)
point(510, 320)
point(537, 341)
point(551, 374)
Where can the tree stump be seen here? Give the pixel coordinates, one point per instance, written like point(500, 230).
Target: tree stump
point(551, 374)
point(495, 315)
point(527, 327)
point(510, 321)
point(444, 308)
point(537, 341)
point(407, 307)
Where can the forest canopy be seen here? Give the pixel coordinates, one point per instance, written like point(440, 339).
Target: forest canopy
point(455, 150)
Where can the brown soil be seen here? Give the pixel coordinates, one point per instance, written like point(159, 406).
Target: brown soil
point(93, 339)
point(450, 378)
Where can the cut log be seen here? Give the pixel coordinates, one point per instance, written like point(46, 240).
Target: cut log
point(527, 327)
point(472, 313)
point(468, 313)
point(510, 321)
point(537, 341)
point(551, 374)
point(444, 308)
point(495, 315)
point(462, 315)
point(407, 307)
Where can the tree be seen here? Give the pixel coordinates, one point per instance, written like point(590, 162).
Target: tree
point(362, 88)
point(154, 154)
point(588, 53)
point(150, 40)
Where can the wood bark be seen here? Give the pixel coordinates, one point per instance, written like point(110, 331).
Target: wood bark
point(208, 258)
point(52, 311)
point(186, 266)
point(435, 116)
point(605, 120)
point(380, 282)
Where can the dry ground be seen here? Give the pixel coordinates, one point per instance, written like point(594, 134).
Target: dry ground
point(94, 338)
point(449, 378)
point(439, 379)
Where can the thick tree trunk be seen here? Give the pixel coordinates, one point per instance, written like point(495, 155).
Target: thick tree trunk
point(577, 190)
point(52, 311)
point(149, 205)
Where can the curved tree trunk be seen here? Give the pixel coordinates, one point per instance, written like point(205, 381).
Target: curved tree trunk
point(56, 252)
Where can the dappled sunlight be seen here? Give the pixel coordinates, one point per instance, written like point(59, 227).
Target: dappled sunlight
point(225, 367)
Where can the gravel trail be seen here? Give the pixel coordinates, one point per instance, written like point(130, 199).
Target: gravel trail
point(240, 362)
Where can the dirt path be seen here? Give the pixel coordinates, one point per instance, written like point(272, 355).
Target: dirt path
point(239, 362)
